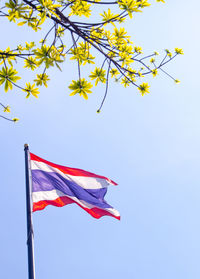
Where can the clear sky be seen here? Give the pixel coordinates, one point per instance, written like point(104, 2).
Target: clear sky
point(149, 145)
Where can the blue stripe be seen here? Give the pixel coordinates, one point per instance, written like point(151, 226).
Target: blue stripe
point(47, 181)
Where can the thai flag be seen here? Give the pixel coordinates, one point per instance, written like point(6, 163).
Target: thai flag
point(57, 185)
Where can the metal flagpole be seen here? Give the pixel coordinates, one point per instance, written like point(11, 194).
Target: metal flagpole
point(31, 267)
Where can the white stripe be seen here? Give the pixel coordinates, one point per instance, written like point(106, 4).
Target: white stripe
point(54, 194)
point(82, 181)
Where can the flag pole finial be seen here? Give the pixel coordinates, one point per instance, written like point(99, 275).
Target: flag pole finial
point(26, 146)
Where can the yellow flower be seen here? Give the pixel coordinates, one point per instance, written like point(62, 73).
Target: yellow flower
point(98, 75)
point(30, 45)
point(138, 49)
point(82, 54)
point(15, 119)
point(131, 6)
point(125, 59)
point(143, 88)
point(81, 87)
point(60, 31)
point(143, 3)
point(177, 81)
point(131, 74)
point(30, 63)
point(114, 72)
point(80, 8)
point(6, 109)
point(179, 51)
point(108, 17)
point(8, 77)
point(154, 72)
point(152, 60)
point(120, 36)
point(168, 53)
point(30, 89)
point(42, 79)
point(125, 82)
point(140, 74)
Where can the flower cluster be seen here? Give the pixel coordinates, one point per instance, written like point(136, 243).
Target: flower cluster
point(101, 41)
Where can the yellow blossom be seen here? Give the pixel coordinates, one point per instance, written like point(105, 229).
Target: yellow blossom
point(98, 75)
point(144, 88)
point(154, 72)
point(15, 119)
point(30, 89)
point(6, 109)
point(81, 87)
point(114, 72)
point(179, 51)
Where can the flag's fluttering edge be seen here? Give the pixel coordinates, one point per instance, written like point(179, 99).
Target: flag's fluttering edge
point(57, 185)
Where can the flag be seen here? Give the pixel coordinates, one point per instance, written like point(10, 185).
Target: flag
point(57, 185)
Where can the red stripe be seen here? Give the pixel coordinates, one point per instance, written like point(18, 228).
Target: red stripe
point(61, 201)
point(70, 171)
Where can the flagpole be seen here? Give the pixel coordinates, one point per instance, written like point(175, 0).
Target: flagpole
point(30, 244)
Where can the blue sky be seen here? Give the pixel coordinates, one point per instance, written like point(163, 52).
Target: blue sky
point(148, 145)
